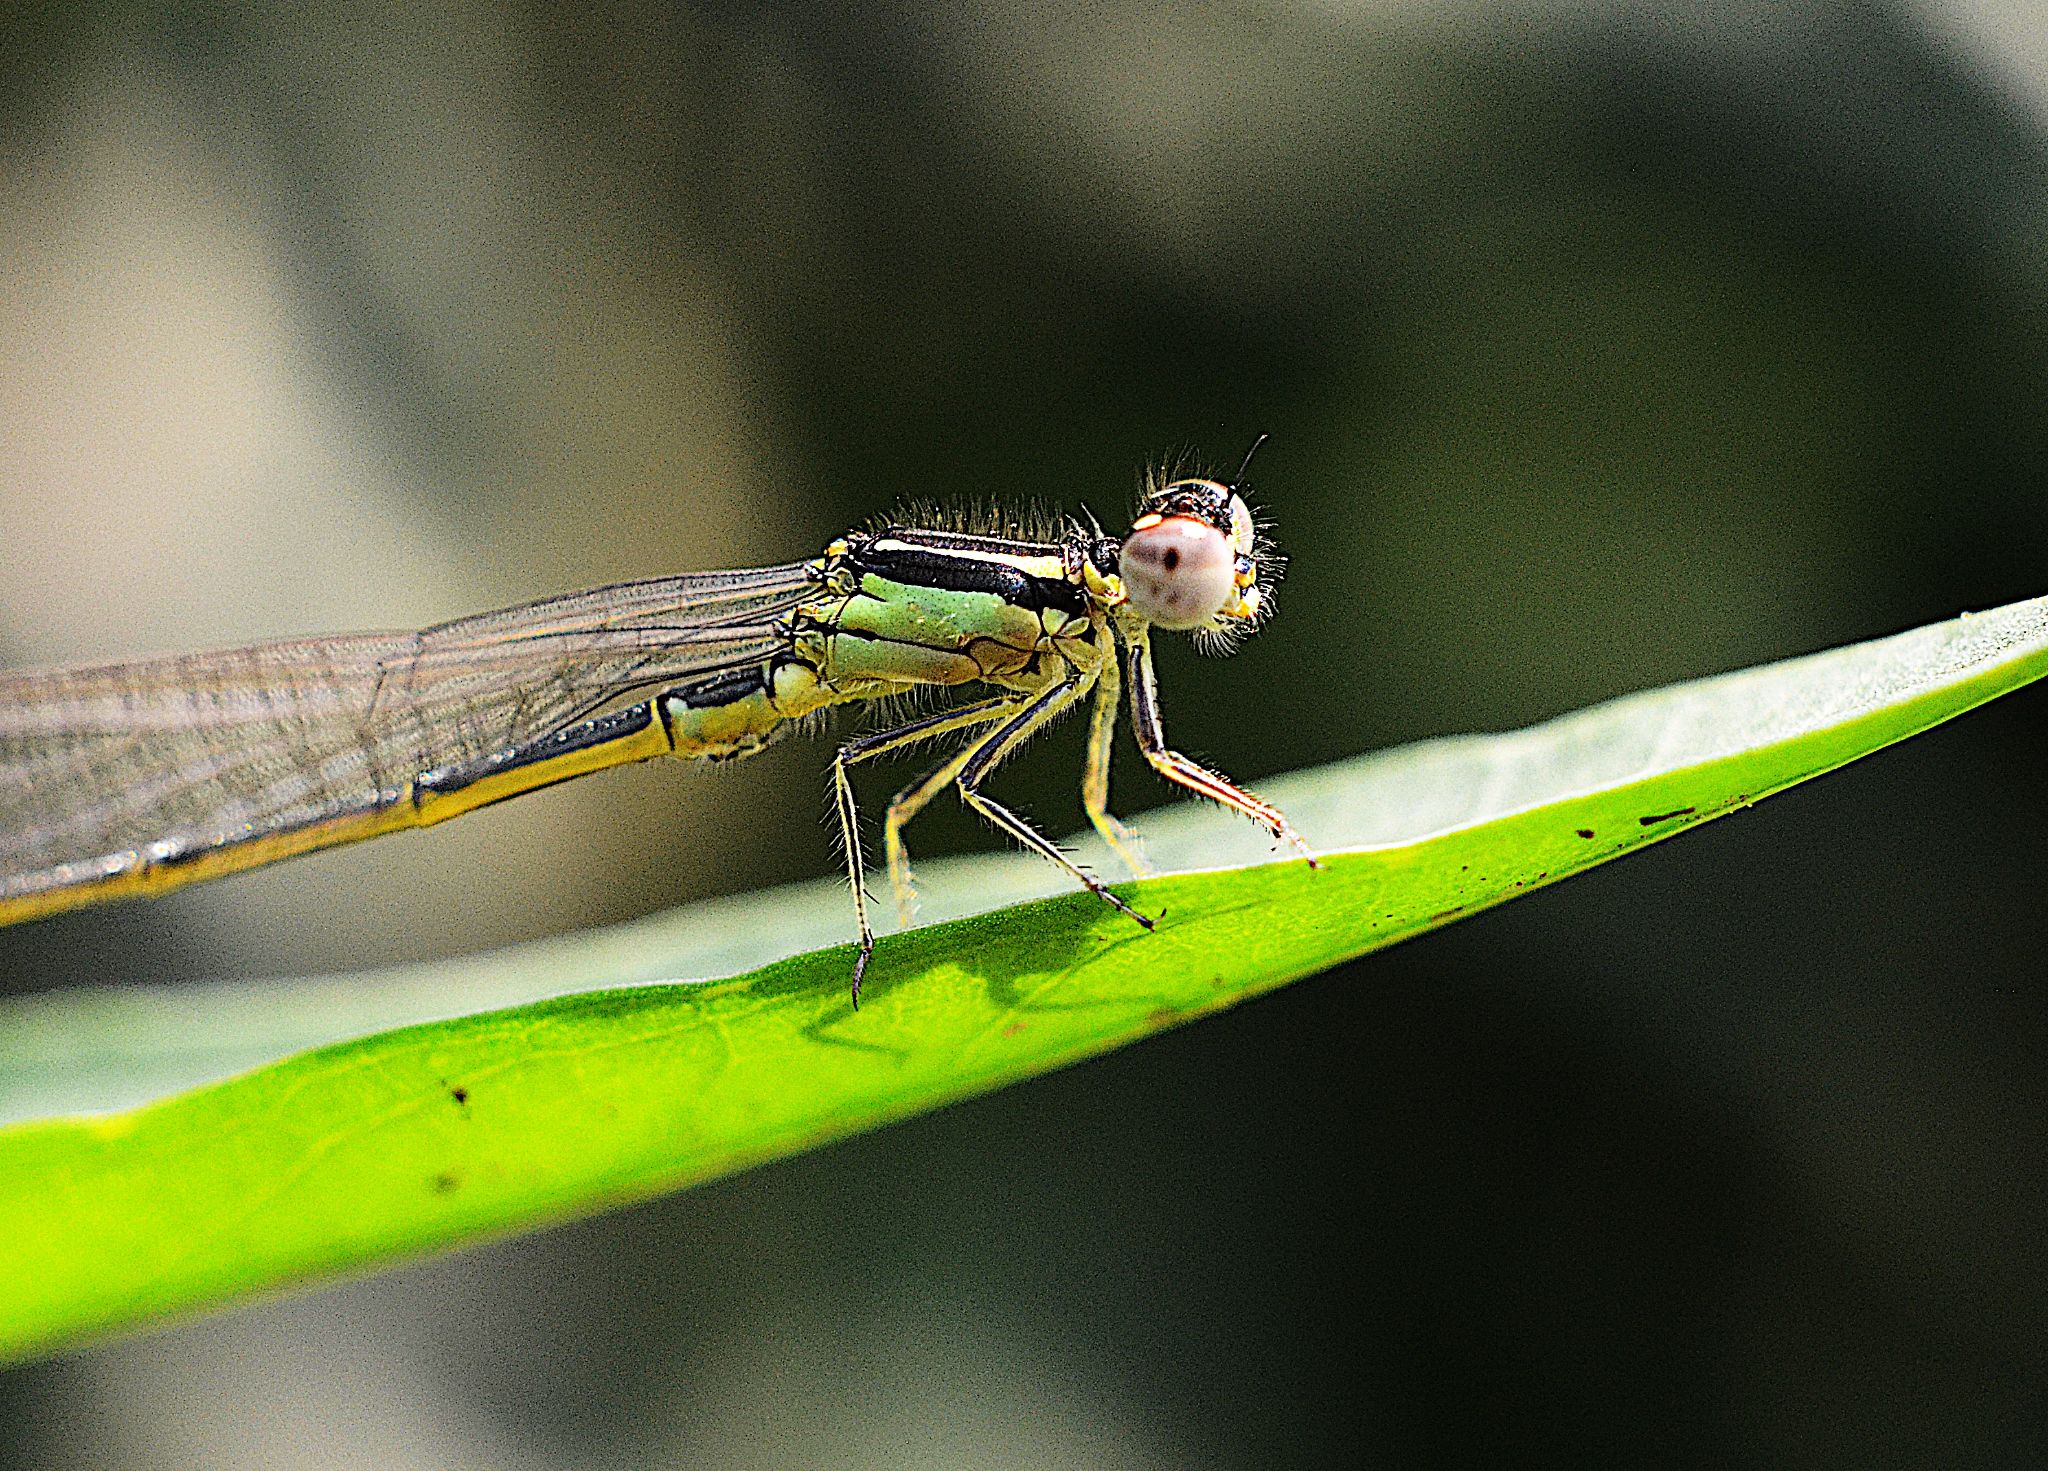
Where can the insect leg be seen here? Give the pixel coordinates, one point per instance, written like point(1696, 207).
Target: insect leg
point(1169, 763)
point(1095, 775)
point(877, 743)
point(904, 806)
point(998, 744)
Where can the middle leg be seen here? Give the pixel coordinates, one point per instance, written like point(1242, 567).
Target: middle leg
point(1095, 775)
point(1002, 742)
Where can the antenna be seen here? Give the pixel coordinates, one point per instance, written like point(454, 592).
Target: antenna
point(1238, 481)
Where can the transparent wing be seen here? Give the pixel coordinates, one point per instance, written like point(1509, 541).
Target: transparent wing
point(171, 756)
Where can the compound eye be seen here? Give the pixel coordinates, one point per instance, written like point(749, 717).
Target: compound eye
point(1243, 530)
point(1178, 572)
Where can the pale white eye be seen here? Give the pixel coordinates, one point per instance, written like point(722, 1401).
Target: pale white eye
point(1179, 572)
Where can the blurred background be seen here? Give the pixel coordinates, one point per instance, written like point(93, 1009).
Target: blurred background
point(1601, 346)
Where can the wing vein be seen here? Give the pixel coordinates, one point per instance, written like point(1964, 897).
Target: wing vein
point(193, 751)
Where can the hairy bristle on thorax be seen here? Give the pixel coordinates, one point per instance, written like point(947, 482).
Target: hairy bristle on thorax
point(1029, 520)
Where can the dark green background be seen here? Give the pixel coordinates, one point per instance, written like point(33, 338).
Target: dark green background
point(1600, 347)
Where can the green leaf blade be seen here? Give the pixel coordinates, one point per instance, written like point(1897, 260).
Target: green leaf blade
point(429, 1133)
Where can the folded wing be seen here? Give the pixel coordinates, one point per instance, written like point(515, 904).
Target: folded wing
point(106, 768)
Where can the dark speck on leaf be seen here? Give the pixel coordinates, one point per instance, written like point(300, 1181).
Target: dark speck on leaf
point(1656, 817)
point(459, 1094)
point(446, 1183)
point(1585, 832)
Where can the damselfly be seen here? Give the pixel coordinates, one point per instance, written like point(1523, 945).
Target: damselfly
point(132, 779)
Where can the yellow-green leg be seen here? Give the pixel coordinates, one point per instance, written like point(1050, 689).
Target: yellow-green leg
point(904, 806)
point(1095, 774)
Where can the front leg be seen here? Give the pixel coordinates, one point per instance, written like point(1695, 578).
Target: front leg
point(1169, 763)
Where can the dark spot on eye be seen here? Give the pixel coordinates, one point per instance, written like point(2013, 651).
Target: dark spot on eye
point(1585, 832)
point(1171, 560)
